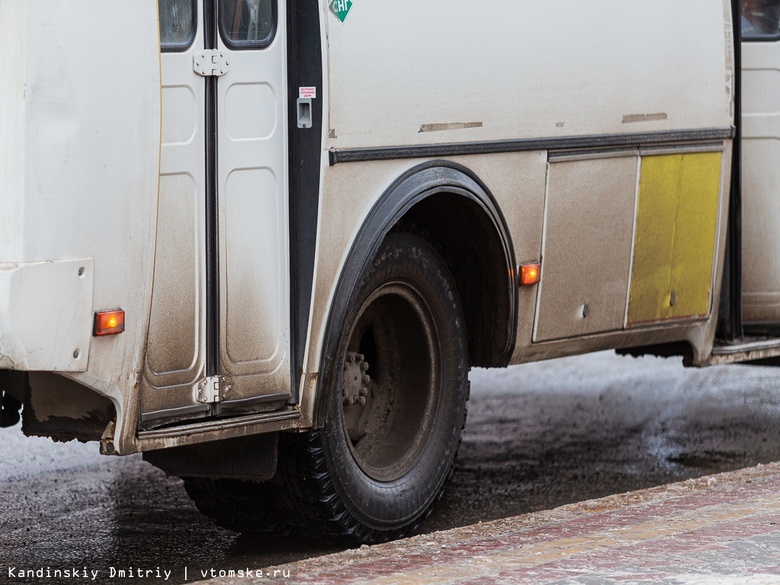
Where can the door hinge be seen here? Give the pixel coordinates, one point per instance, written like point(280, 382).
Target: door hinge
point(212, 389)
point(210, 63)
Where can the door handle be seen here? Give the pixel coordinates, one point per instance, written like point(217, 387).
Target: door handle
point(304, 113)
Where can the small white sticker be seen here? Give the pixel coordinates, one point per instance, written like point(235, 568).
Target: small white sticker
point(307, 92)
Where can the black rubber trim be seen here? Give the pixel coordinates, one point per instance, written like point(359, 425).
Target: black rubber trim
point(524, 145)
point(730, 325)
point(304, 69)
point(212, 209)
point(409, 189)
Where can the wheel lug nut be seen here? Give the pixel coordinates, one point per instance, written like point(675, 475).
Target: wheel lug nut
point(362, 400)
point(364, 366)
point(366, 378)
point(364, 391)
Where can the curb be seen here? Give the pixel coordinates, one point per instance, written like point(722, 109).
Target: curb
point(723, 528)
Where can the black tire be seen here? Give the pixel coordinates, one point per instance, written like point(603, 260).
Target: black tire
point(10, 409)
point(376, 469)
point(10, 405)
point(241, 506)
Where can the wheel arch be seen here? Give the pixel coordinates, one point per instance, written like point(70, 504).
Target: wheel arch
point(474, 242)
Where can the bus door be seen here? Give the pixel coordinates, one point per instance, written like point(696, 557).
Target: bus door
point(219, 334)
point(254, 297)
point(761, 165)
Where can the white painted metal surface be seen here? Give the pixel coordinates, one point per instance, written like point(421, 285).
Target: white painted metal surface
point(79, 143)
point(46, 315)
point(439, 71)
point(253, 218)
point(761, 181)
point(175, 354)
point(12, 129)
point(253, 246)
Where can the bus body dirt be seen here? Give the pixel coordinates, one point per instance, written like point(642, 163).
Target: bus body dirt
point(264, 241)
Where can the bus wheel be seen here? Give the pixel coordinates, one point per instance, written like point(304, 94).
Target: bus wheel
point(397, 403)
point(241, 506)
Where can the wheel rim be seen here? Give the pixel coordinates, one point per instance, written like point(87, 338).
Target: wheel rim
point(389, 384)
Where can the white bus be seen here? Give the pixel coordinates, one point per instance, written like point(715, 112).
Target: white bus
point(264, 241)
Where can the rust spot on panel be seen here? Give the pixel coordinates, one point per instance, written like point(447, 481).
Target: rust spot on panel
point(450, 126)
point(634, 118)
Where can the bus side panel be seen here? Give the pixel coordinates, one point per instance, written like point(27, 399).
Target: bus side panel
point(761, 183)
point(524, 69)
point(82, 184)
point(676, 235)
point(12, 139)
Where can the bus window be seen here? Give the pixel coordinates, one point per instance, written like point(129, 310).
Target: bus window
point(760, 19)
point(247, 24)
point(177, 24)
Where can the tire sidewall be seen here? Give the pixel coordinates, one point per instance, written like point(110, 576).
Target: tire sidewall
point(388, 507)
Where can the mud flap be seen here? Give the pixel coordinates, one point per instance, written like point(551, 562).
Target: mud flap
point(247, 458)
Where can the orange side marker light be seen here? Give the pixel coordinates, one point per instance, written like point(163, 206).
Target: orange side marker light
point(530, 273)
point(109, 323)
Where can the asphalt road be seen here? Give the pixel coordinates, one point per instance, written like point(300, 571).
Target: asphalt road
point(538, 436)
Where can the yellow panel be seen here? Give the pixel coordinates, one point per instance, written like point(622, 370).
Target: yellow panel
point(655, 222)
point(675, 237)
point(694, 243)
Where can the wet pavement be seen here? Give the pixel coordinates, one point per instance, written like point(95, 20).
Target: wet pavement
point(720, 529)
point(538, 436)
